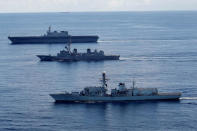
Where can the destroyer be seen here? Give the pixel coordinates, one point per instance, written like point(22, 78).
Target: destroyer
point(99, 94)
point(67, 55)
point(53, 38)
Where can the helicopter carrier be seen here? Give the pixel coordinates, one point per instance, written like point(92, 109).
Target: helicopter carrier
point(120, 94)
point(53, 37)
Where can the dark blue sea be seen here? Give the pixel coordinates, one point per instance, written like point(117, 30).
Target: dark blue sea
point(157, 49)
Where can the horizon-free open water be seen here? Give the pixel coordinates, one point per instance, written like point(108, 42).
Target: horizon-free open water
point(158, 49)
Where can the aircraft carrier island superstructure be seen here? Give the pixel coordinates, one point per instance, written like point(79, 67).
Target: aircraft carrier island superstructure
point(53, 37)
point(120, 94)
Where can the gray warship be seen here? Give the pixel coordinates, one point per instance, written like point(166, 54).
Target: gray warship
point(120, 94)
point(67, 55)
point(53, 37)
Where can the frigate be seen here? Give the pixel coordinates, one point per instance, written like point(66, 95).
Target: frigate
point(120, 94)
point(53, 37)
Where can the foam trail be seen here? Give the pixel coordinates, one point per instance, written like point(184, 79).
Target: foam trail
point(188, 98)
point(113, 41)
point(124, 58)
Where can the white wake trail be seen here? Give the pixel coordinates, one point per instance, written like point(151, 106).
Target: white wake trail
point(188, 98)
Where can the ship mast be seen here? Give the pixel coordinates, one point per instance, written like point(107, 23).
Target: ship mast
point(69, 44)
point(133, 85)
point(49, 30)
point(104, 80)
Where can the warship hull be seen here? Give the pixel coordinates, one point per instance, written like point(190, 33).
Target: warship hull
point(70, 98)
point(77, 58)
point(52, 40)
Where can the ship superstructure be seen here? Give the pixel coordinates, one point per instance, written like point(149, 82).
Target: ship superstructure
point(122, 93)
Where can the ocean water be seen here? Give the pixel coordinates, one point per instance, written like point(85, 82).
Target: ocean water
point(157, 49)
